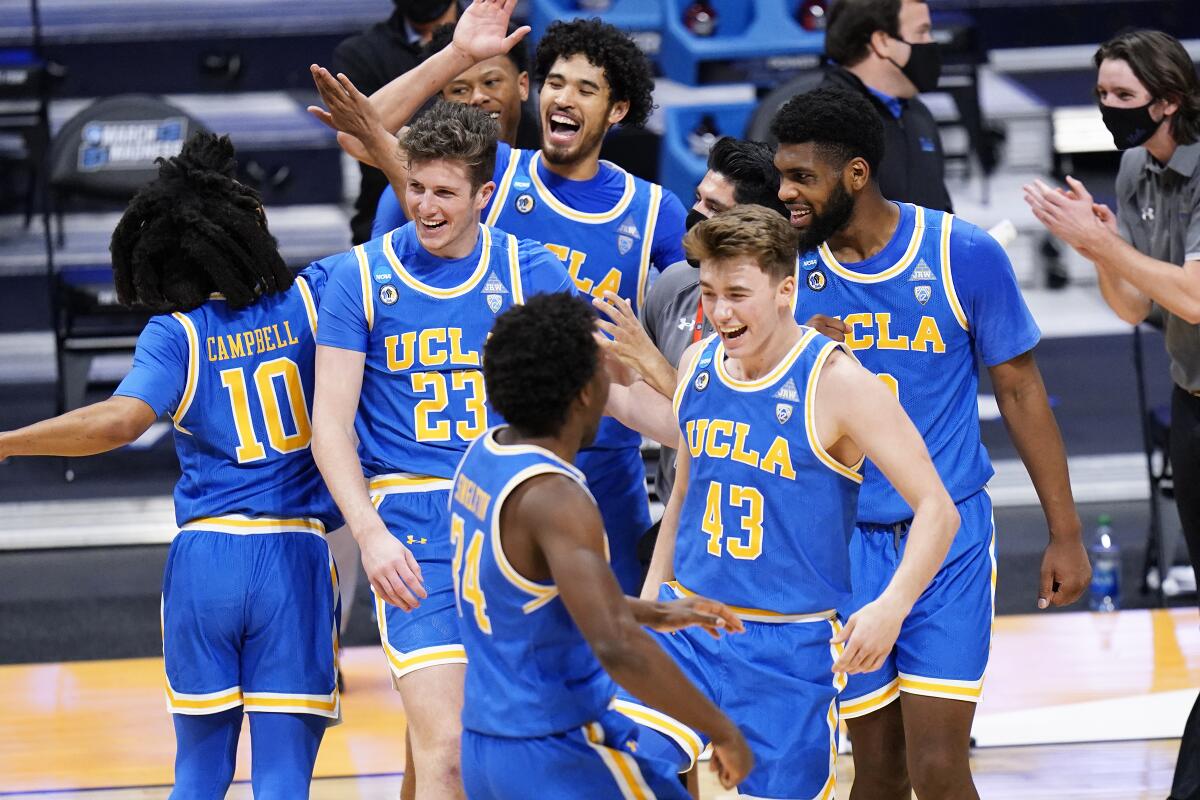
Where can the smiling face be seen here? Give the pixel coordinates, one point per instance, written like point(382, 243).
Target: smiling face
point(444, 207)
point(744, 304)
point(714, 194)
point(576, 110)
point(814, 192)
point(496, 87)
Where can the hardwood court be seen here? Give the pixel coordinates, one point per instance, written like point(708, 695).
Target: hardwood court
point(1054, 681)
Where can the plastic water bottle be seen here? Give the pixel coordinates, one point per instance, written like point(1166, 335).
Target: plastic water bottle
point(1105, 593)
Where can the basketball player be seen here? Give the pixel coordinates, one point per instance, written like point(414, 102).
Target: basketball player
point(775, 420)
point(607, 226)
point(919, 295)
point(249, 607)
point(402, 327)
point(544, 622)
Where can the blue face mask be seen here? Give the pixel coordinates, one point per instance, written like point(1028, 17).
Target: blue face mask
point(1130, 127)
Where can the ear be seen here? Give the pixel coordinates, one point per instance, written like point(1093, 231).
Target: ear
point(879, 43)
point(787, 288)
point(617, 112)
point(484, 194)
point(858, 172)
point(523, 86)
point(1167, 107)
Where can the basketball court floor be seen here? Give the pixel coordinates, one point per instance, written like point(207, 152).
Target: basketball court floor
point(1076, 705)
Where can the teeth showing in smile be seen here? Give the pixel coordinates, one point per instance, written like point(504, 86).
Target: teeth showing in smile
point(494, 114)
point(434, 225)
point(561, 123)
point(733, 333)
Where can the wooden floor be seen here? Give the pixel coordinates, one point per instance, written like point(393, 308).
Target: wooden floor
point(1061, 693)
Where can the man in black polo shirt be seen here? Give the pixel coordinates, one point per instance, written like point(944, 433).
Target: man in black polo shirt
point(884, 49)
point(371, 59)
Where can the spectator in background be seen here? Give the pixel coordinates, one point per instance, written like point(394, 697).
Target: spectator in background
point(499, 86)
point(1147, 256)
point(739, 172)
point(884, 50)
point(371, 59)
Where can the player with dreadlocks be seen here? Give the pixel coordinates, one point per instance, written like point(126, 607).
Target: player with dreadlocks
point(249, 621)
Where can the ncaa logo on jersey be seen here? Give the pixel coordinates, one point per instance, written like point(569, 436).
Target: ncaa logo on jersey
point(922, 293)
point(816, 280)
point(783, 412)
point(494, 302)
point(383, 276)
point(388, 294)
point(524, 203)
point(701, 382)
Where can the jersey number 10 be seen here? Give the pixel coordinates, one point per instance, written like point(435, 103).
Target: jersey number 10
point(249, 447)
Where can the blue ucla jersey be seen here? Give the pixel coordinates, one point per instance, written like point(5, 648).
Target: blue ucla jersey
point(422, 321)
point(531, 673)
point(768, 514)
point(238, 385)
point(939, 295)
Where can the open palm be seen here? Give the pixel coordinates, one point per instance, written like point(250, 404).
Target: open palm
point(482, 31)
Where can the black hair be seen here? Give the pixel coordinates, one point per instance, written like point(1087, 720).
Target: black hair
point(851, 24)
point(420, 12)
point(444, 34)
point(195, 230)
point(609, 48)
point(842, 124)
point(750, 167)
point(538, 359)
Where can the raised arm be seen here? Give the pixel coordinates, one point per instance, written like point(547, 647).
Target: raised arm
point(567, 528)
point(86, 431)
point(858, 414)
point(391, 568)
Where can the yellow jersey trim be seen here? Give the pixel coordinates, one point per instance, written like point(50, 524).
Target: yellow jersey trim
point(942, 687)
point(402, 664)
point(852, 472)
point(403, 483)
point(239, 524)
point(868, 703)
point(193, 371)
point(590, 218)
point(914, 245)
point(514, 270)
point(760, 614)
point(364, 280)
point(648, 242)
point(687, 739)
point(501, 195)
point(310, 306)
point(282, 703)
point(687, 374)
point(211, 703)
point(948, 274)
point(771, 377)
point(623, 767)
point(432, 291)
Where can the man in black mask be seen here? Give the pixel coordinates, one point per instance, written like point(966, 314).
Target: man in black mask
point(374, 57)
point(883, 50)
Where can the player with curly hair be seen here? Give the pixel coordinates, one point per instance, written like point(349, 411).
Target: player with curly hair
point(607, 226)
point(249, 622)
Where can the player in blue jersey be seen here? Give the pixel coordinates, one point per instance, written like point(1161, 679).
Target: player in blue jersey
point(400, 395)
point(774, 421)
point(249, 607)
point(918, 295)
point(544, 621)
point(607, 226)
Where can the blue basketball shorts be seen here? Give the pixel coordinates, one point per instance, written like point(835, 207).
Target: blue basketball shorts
point(617, 479)
point(416, 512)
point(776, 682)
point(250, 616)
point(601, 760)
point(942, 649)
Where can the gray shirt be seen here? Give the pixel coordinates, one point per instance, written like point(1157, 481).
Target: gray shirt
point(669, 315)
point(1158, 212)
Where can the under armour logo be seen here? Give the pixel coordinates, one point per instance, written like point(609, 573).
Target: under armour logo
point(1148, 214)
point(414, 540)
point(686, 324)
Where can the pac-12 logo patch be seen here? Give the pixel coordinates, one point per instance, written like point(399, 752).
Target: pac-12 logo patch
point(816, 280)
point(922, 293)
point(494, 302)
point(388, 294)
point(701, 382)
point(624, 244)
point(524, 203)
point(783, 412)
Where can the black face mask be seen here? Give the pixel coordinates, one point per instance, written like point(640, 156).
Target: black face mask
point(693, 219)
point(924, 65)
point(420, 12)
point(1130, 127)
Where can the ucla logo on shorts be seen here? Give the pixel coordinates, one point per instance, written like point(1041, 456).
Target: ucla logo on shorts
point(388, 294)
point(701, 382)
point(783, 412)
point(494, 302)
point(816, 280)
point(922, 293)
point(524, 203)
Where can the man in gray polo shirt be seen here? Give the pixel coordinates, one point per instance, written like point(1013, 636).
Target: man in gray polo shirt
point(1147, 257)
point(739, 172)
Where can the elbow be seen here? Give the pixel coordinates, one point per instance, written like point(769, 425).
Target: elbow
point(1190, 313)
point(127, 429)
